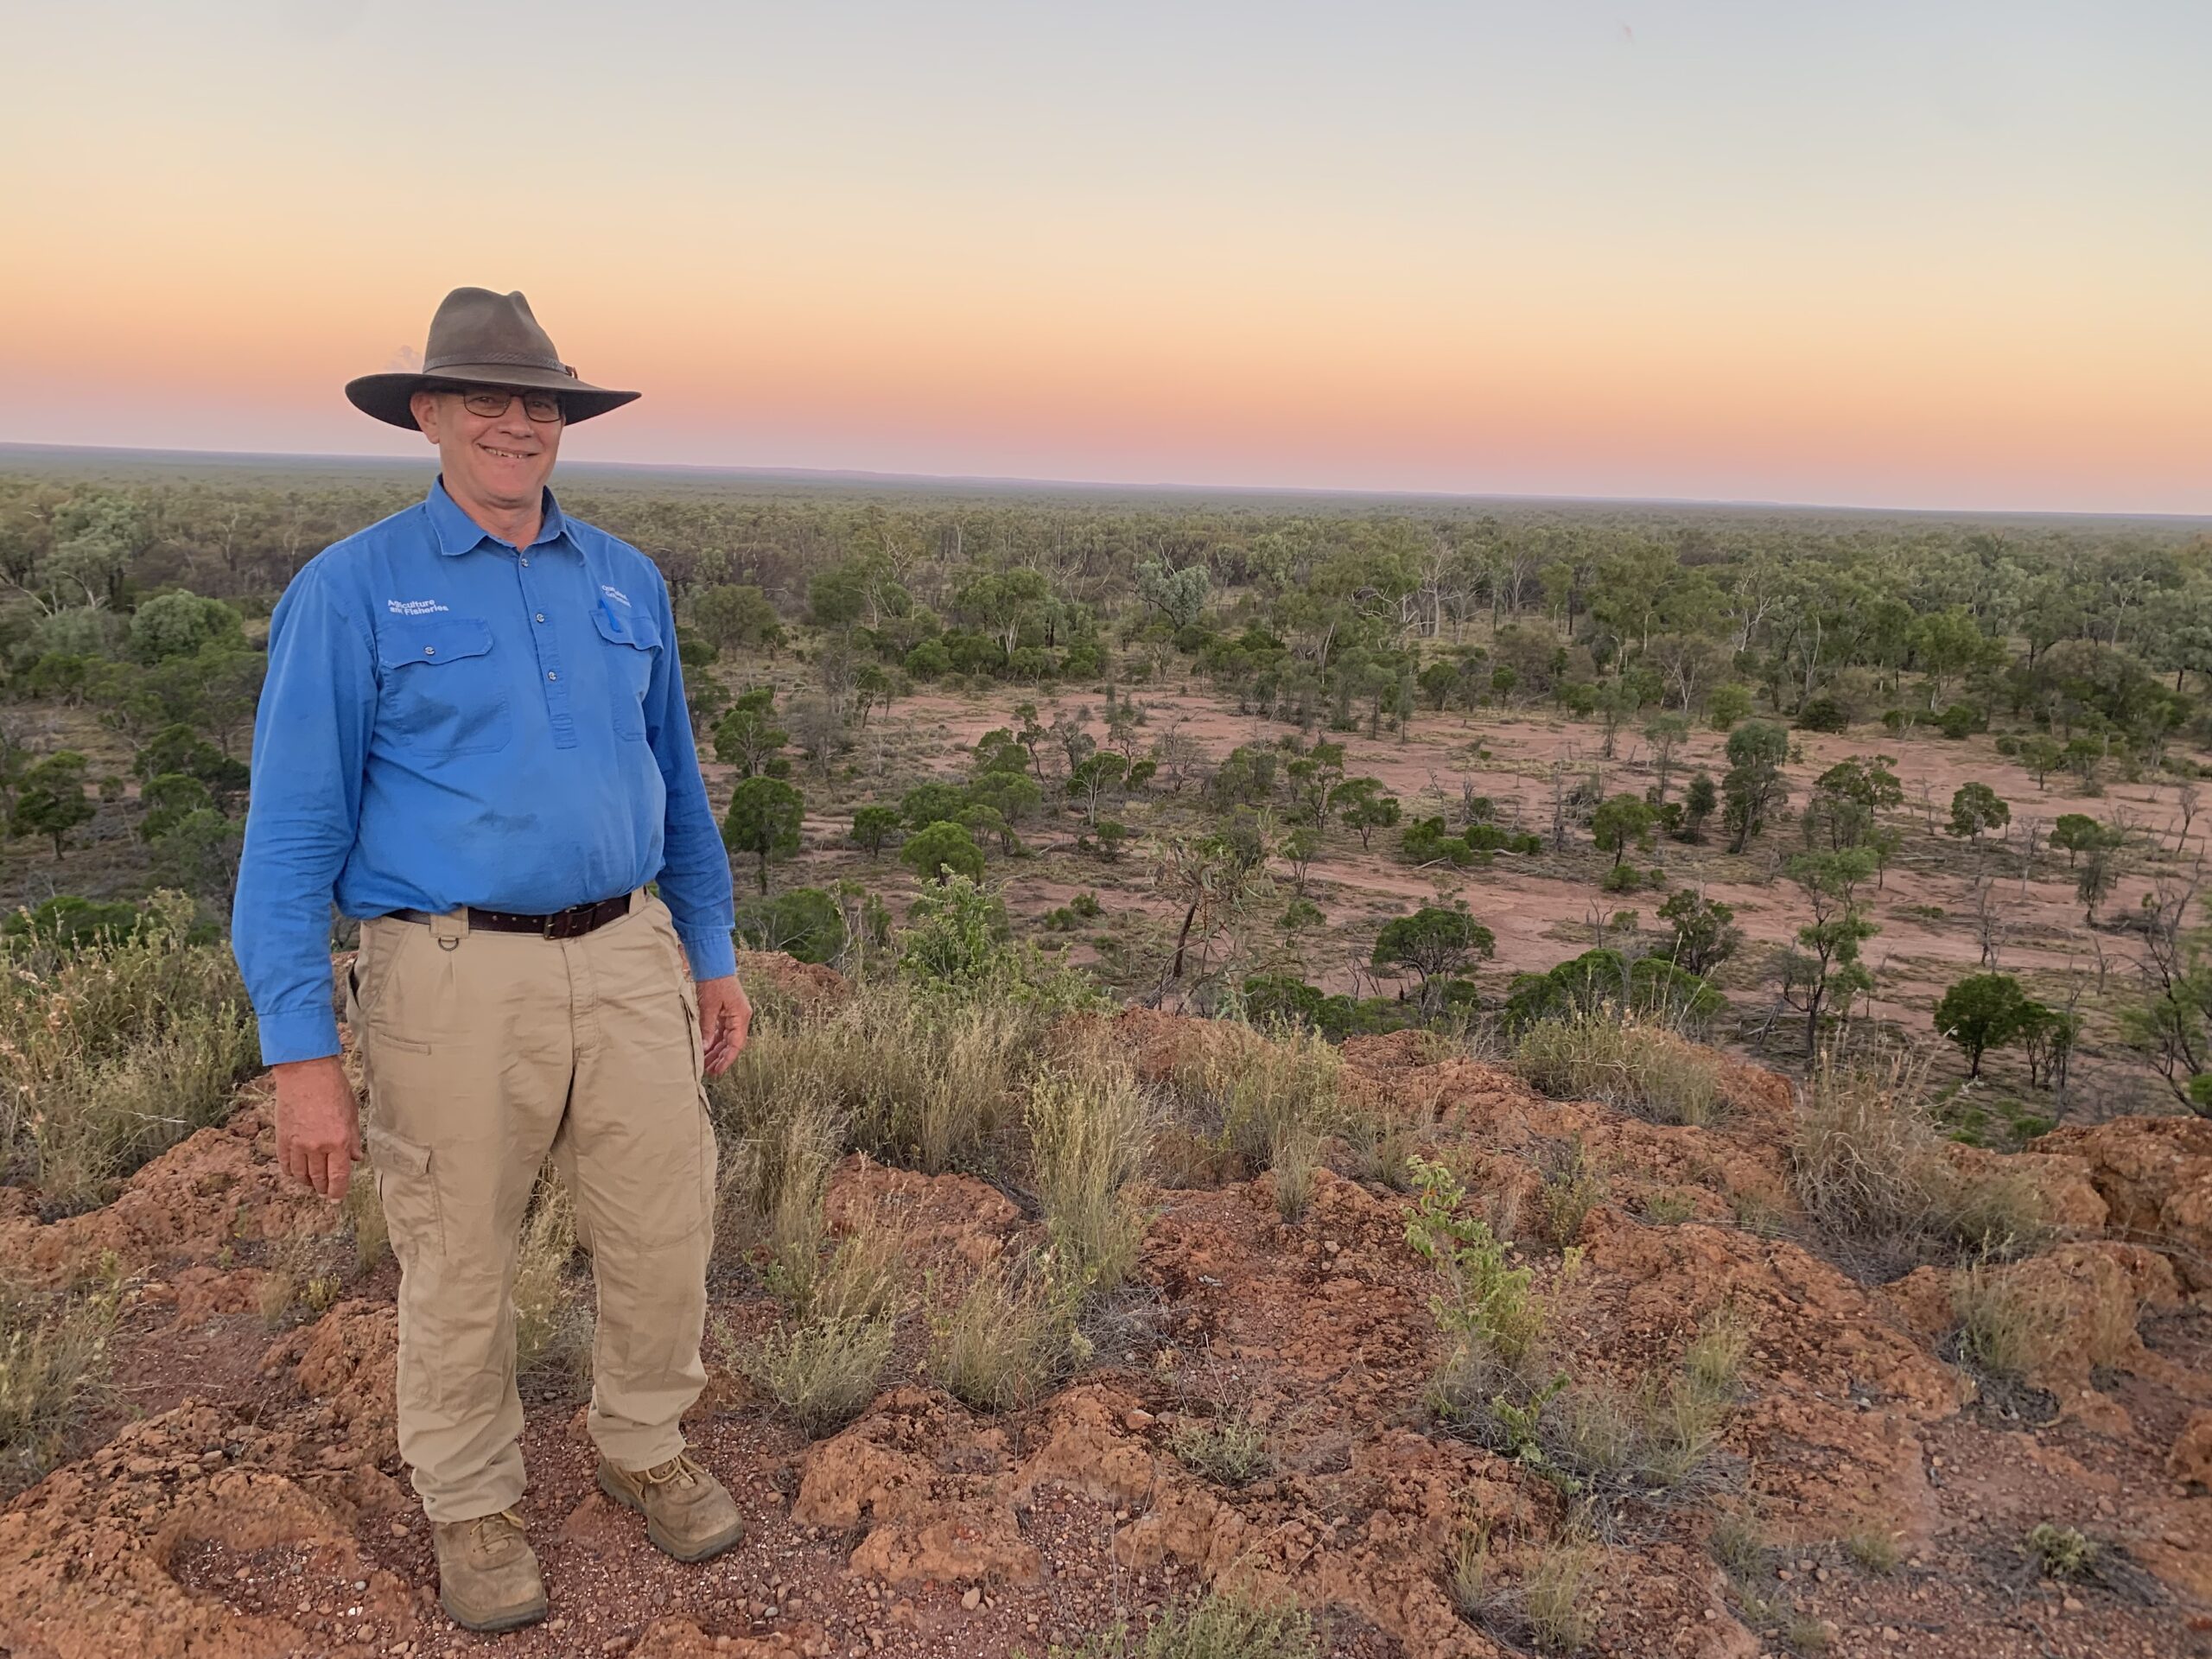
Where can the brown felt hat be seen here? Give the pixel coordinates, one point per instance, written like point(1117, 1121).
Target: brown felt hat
point(480, 337)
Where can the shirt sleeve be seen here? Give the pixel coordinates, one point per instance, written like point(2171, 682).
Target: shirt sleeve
point(310, 739)
point(695, 878)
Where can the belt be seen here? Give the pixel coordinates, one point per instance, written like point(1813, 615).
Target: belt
point(570, 924)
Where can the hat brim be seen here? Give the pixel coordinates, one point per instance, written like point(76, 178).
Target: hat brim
point(386, 396)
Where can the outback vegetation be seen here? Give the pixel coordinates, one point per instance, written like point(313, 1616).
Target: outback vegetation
point(1341, 1078)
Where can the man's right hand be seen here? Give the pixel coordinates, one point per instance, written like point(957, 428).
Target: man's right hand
point(318, 1125)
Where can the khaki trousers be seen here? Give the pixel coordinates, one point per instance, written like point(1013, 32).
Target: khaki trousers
point(484, 1053)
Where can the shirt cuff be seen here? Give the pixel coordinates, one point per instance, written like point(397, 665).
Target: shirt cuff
point(298, 1034)
point(711, 955)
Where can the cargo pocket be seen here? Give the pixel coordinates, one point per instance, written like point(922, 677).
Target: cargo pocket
point(407, 1186)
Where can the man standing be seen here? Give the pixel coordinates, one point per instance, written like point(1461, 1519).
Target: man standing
point(473, 737)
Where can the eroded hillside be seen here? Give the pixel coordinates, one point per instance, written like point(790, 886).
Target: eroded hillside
point(1634, 1398)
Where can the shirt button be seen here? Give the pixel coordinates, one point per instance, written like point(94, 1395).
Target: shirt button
point(429, 651)
point(550, 674)
point(525, 564)
point(541, 616)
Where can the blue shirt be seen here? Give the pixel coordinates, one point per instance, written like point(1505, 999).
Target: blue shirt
point(451, 721)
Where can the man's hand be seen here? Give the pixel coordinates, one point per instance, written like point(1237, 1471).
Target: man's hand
point(318, 1125)
point(725, 1021)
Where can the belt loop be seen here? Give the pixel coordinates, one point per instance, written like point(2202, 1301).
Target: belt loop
point(450, 929)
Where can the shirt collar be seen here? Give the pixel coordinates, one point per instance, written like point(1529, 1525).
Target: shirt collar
point(458, 533)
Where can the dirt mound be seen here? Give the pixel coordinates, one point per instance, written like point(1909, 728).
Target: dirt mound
point(218, 1185)
point(275, 1519)
point(2155, 1176)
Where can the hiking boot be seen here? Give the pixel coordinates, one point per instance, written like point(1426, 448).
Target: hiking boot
point(487, 1578)
point(688, 1512)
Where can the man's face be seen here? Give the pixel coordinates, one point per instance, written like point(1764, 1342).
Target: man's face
point(500, 460)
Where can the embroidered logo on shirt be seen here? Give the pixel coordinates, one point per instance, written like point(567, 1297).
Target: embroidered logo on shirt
point(412, 607)
point(614, 594)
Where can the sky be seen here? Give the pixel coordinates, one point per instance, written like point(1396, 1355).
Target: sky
point(1901, 254)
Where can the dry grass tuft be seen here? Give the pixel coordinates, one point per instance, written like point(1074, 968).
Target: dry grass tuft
point(822, 1371)
point(553, 1319)
point(918, 1081)
point(2008, 1328)
point(1869, 1166)
point(1090, 1129)
point(1230, 1450)
point(364, 1212)
point(298, 1284)
point(53, 1367)
point(1642, 1068)
point(1253, 1092)
point(114, 1050)
point(1572, 1189)
point(1008, 1339)
point(1215, 1626)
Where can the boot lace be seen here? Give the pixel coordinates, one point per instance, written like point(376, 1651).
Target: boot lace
point(497, 1534)
point(679, 1469)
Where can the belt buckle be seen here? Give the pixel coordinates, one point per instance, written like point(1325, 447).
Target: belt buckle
point(559, 925)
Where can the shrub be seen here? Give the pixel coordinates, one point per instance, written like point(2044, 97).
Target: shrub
point(2061, 1551)
point(1602, 980)
point(113, 1047)
point(939, 852)
point(1572, 1190)
point(1646, 1069)
point(822, 1371)
point(1823, 713)
point(1960, 720)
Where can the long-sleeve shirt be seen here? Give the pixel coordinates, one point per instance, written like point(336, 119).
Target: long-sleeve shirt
point(449, 721)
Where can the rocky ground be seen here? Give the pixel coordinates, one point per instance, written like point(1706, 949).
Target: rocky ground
point(245, 1498)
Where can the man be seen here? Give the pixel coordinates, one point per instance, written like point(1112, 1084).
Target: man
point(473, 737)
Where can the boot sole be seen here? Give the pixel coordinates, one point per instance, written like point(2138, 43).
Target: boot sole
point(706, 1551)
point(492, 1626)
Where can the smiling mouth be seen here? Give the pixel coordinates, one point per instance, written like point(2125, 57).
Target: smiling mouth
point(504, 454)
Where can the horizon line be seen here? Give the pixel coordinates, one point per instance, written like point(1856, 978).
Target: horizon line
point(994, 481)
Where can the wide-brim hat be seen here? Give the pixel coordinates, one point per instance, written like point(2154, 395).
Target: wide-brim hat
point(480, 337)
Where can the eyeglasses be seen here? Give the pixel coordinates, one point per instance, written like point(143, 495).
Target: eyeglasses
point(490, 404)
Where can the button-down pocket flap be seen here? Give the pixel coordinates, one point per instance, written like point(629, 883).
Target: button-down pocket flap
point(626, 629)
point(393, 1155)
point(432, 639)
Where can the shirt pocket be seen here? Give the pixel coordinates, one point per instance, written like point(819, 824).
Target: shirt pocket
point(444, 693)
point(633, 646)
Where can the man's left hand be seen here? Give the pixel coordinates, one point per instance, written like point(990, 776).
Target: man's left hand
point(725, 1021)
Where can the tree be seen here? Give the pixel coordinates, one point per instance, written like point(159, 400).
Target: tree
point(1619, 823)
point(2042, 756)
point(1090, 781)
point(1827, 970)
point(1665, 733)
point(1982, 1012)
point(1014, 794)
point(1366, 809)
point(1846, 800)
point(730, 617)
point(1178, 595)
point(748, 737)
point(52, 801)
point(1754, 786)
point(938, 851)
point(1700, 801)
point(872, 825)
point(1436, 943)
point(167, 800)
point(179, 624)
point(1297, 850)
point(199, 853)
point(1705, 933)
point(2076, 832)
point(764, 819)
point(1976, 809)
point(2098, 875)
point(933, 803)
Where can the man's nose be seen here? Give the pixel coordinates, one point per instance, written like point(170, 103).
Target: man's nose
point(515, 420)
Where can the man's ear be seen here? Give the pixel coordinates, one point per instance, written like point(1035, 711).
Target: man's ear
point(424, 405)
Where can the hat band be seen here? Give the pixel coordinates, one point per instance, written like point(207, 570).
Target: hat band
point(511, 359)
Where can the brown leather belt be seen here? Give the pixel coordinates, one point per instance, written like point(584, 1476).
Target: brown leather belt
point(570, 924)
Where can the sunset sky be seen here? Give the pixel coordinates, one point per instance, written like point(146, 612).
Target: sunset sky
point(1886, 252)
